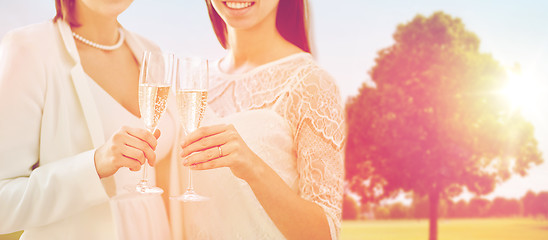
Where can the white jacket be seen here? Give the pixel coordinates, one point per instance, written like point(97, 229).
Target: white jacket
point(49, 122)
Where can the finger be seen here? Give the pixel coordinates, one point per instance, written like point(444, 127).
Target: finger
point(149, 155)
point(134, 154)
point(130, 163)
point(206, 143)
point(215, 163)
point(151, 158)
point(144, 135)
point(139, 144)
point(203, 132)
point(209, 154)
point(157, 133)
point(200, 157)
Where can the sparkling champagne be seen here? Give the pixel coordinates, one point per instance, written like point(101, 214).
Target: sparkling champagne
point(192, 104)
point(152, 103)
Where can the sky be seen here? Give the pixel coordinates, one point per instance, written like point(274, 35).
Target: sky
point(347, 34)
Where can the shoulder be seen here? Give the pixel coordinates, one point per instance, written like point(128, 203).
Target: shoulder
point(144, 42)
point(32, 31)
point(314, 81)
point(31, 45)
point(307, 68)
point(31, 36)
point(319, 101)
point(27, 55)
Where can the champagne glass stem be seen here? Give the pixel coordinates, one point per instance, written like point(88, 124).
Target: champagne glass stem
point(190, 186)
point(145, 167)
point(144, 179)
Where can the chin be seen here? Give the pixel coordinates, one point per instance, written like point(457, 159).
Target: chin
point(240, 24)
point(116, 8)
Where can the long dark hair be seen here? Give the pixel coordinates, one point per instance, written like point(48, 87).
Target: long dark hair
point(65, 11)
point(291, 22)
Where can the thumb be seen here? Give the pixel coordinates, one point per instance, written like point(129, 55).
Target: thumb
point(157, 133)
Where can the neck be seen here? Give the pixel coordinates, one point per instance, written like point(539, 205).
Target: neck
point(96, 27)
point(249, 48)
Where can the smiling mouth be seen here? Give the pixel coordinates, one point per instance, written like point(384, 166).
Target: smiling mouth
point(238, 5)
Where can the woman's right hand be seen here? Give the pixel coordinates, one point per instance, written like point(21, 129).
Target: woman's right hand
point(128, 147)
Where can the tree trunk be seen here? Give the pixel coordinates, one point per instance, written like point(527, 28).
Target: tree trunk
point(434, 198)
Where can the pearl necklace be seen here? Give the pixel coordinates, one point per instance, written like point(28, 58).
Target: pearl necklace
point(100, 46)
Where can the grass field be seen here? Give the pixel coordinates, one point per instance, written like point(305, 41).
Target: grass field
point(453, 229)
point(449, 229)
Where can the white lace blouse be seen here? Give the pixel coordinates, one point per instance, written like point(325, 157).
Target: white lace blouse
point(290, 114)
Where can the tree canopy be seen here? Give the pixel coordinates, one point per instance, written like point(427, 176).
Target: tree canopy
point(435, 122)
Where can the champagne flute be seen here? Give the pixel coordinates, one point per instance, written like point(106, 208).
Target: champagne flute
point(155, 81)
point(191, 87)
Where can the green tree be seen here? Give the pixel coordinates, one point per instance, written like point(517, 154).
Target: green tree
point(399, 211)
point(478, 207)
point(382, 212)
point(419, 206)
point(528, 202)
point(350, 208)
point(459, 209)
point(541, 204)
point(502, 207)
point(434, 122)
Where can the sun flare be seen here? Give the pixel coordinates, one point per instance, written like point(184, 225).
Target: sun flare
point(523, 92)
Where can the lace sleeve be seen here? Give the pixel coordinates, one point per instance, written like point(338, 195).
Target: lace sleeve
point(316, 114)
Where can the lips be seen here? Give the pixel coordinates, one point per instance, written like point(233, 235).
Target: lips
point(238, 5)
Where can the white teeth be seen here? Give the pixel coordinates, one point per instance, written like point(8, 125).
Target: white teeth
point(238, 5)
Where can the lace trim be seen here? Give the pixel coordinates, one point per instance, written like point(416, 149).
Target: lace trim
point(310, 88)
point(261, 88)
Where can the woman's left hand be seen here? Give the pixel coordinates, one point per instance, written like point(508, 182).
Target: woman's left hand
point(221, 146)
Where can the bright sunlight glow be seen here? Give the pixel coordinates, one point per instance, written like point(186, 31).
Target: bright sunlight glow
point(522, 92)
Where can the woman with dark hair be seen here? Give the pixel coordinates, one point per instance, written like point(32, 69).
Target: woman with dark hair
point(274, 150)
point(71, 128)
